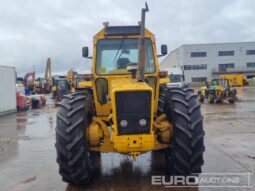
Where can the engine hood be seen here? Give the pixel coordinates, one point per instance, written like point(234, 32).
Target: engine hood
point(128, 85)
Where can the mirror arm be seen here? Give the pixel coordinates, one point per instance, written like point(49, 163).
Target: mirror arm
point(160, 55)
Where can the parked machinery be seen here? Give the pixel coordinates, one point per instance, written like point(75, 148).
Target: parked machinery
point(46, 82)
point(83, 81)
point(31, 96)
point(218, 91)
point(71, 79)
point(23, 102)
point(234, 79)
point(129, 110)
point(42, 86)
point(48, 76)
point(59, 87)
point(39, 85)
point(29, 82)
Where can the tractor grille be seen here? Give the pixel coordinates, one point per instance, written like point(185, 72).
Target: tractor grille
point(133, 106)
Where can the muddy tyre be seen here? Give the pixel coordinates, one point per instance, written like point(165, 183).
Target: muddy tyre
point(76, 162)
point(211, 98)
point(233, 97)
point(231, 101)
point(185, 156)
point(200, 97)
point(219, 101)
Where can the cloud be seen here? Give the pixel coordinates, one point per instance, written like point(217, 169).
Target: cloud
point(31, 31)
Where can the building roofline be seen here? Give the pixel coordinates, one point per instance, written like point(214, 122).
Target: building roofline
point(2, 66)
point(169, 54)
point(216, 43)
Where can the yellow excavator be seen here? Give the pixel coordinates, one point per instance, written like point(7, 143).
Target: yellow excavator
point(70, 79)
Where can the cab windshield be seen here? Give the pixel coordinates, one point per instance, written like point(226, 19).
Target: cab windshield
point(80, 79)
point(62, 85)
point(220, 82)
point(114, 55)
point(175, 77)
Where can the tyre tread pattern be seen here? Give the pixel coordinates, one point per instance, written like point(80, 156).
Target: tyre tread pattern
point(183, 111)
point(71, 144)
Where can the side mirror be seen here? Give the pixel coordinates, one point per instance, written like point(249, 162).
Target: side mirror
point(163, 49)
point(85, 52)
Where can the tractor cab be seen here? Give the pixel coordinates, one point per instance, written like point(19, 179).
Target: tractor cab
point(59, 87)
point(116, 54)
point(62, 87)
point(220, 84)
point(117, 66)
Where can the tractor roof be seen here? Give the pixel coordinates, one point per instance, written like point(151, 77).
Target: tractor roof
point(122, 30)
point(118, 31)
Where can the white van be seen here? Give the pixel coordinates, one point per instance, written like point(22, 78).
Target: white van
point(176, 78)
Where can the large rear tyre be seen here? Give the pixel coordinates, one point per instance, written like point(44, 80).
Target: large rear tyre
point(76, 162)
point(185, 156)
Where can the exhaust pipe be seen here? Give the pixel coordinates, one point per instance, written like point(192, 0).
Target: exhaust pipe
point(141, 46)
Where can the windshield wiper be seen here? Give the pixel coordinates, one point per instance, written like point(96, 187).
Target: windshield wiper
point(122, 41)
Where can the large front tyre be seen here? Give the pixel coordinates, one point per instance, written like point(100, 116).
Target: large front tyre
point(233, 97)
point(200, 97)
point(211, 98)
point(76, 162)
point(185, 156)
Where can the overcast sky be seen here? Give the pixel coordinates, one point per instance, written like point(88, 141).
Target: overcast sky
point(31, 31)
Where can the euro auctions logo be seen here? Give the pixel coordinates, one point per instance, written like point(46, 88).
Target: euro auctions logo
point(237, 180)
point(174, 180)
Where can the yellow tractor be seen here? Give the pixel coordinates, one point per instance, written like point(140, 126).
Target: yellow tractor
point(218, 91)
point(129, 109)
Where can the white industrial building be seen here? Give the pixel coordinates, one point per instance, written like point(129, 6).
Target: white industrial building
point(7, 90)
point(201, 62)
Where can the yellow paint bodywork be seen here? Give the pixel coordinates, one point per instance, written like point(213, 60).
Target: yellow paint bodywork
point(131, 143)
point(163, 128)
point(84, 84)
point(164, 80)
point(234, 79)
point(203, 90)
point(125, 144)
point(72, 90)
point(54, 88)
point(119, 81)
point(95, 134)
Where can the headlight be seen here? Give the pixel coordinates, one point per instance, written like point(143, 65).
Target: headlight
point(123, 123)
point(142, 122)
